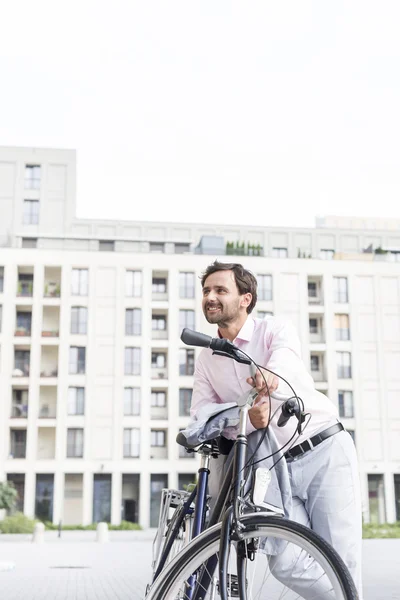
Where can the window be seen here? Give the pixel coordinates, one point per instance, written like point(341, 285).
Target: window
point(74, 443)
point(20, 402)
point(186, 362)
point(376, 494)
point(185, 399)
point(264, 314)
point(156, 247)
point(313, 324)
point(158, 438)
point(186, 285)
point(132, 361)
point(22, 362)
point(79, 282)
point(29, 242)
point(131, 401)
point(343, 361)
point(158, 398)
point(133, 321)
point(133, 284)
point(186, 319)
point(158, 322)
point(342, 327)
point(106, 246)
point(279, 252)
point(77, 360)
point(326, 254)
point(264, 291)
point(131, 443)
point(340, 292)
point(76, 401)
point(312, 289)
point(31, 212)
point(158, 360)
point(1, 279)
point(345, 401)
point(159, 285)
point(79, 319)
point(25, 284)
point(315, 363)
point(182, 248)
point(32, 177)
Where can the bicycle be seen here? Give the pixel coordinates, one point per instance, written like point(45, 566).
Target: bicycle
point(198, 563)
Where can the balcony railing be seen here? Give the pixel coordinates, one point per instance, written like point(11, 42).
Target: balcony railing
point(50, 333)
point(74, 451)
point(159, 373)
point(22, 332)
point(18, 450)
point(47, 412)
point(318, 375)
point(52, 290)
point(159, 334)
point(19, 411)
point(52, 372)
point(131, 451)
point(25, 288)
point(21, 370)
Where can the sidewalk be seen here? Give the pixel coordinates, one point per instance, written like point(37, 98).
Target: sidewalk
point(75, 567)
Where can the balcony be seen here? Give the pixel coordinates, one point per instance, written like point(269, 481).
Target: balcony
point(48, 402)
point(46, 443)
point(52, 282)
point(159, 404)
point(158, 452)
point(315, 294)
point(25, 282)
point(21, 361)
point(23, 322)
point(159, 373)
point(318, 371)
point(20, 401)
point(316, 328)
point(49, 361)
point(160, 285)
point(159, 328)
point(51, 321)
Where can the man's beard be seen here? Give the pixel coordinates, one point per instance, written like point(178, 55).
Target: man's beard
point(222, 319)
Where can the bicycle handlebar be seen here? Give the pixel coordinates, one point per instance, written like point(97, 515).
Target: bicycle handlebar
point(221, 346)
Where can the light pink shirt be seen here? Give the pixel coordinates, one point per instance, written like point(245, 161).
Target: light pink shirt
point(272, 343)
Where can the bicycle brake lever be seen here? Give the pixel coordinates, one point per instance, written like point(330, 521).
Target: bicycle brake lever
point(237, 355)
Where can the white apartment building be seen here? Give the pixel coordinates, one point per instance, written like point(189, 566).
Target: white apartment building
point(94, 380)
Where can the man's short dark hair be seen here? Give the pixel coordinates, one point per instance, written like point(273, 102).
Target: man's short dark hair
point(245, 281)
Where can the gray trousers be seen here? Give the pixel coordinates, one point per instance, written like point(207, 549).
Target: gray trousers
point(326, 497)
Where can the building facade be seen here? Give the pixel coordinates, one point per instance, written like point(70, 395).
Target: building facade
point(94, 380)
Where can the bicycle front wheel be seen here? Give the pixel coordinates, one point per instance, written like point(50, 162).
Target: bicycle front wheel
point(291, 562)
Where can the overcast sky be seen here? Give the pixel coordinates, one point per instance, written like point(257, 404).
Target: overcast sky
point(252, 112)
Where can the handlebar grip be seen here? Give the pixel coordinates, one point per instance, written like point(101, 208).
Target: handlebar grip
point(194, 338)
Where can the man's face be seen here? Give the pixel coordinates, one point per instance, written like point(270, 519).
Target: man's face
point(222, 303)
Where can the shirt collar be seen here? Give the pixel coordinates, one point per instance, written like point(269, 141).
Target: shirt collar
point(246, 333)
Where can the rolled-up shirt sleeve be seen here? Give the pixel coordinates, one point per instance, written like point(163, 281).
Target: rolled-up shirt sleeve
point(285, 360)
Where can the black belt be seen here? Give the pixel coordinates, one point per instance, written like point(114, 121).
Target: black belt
point(314, 441)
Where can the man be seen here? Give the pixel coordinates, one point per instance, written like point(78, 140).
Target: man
point(322, 462)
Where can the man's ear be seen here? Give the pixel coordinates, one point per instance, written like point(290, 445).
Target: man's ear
point(246, 299)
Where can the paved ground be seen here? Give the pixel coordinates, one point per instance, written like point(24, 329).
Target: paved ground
point(75, 567)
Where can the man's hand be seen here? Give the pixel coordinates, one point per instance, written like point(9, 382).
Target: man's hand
point(260, 411)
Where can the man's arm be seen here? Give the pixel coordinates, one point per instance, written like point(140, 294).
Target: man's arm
point(285, 360)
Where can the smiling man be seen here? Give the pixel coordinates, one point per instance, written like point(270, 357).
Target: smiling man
point(322, 461)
